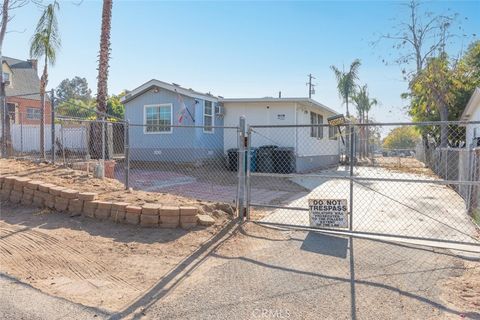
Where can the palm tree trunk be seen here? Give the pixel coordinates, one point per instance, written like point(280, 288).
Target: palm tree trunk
point(103, 65)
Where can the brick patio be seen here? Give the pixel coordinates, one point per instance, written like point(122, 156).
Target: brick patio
point(187, 186)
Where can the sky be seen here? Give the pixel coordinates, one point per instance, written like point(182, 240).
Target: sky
point(238, 49)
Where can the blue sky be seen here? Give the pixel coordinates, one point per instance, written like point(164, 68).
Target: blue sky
point(236, 49)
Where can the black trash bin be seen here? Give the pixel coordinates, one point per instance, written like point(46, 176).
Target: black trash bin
point(232, 155)
point(283, 160)
point(265, 158)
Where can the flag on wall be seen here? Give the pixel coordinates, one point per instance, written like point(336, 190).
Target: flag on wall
point(182, 110)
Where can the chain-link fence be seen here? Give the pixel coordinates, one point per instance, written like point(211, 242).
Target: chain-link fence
point(198, 162)
point(385, 186)
point(410, 180)
point(189, 161)
point(74, 134)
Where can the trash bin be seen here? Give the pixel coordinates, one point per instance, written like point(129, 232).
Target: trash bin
point(264, 159)
point(232, 162)
point(283, 160)
point(232, 159)
point(253, 159)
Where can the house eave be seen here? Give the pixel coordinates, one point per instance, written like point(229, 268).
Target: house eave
point(167, 86)
point(304, 101)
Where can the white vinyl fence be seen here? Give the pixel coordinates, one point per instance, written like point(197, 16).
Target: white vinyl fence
point(26, 138)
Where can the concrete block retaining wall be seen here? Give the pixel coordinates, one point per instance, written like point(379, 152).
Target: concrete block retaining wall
point(45, 195)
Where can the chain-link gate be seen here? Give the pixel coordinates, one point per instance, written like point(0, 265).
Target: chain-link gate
point(410, 181)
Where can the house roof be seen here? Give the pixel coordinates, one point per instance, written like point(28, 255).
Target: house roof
point(473, 103)
point(168, 86)
point(304, 101)
point(25, 80)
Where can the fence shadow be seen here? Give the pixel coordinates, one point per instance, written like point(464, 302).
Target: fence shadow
point(173, 278)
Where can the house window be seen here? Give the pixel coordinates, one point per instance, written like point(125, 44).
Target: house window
point(12, 112)
point(316, 132)
point(332, 132)
point(6, 76)
point(158, 118)
point(33, 114)
point(208, 117)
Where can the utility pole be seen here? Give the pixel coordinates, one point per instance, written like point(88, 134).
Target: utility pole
point(311, 86)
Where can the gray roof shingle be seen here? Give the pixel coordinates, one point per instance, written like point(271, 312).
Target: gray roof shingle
point(25, 79)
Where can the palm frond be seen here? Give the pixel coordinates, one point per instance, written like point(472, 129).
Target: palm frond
point(46, 40)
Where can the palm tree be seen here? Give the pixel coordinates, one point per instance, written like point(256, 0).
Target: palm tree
point(103, 65)
point(45, 43)
point(104, 57)
point(364, 104)
point(346, 82)
point(360, 99)
point(371, 102)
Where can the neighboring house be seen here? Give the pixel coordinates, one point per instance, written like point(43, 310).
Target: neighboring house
point(162, 116)
point(313, 147)
point(22, 92)
point(472, 113)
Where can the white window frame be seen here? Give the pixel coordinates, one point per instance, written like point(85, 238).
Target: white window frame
point(36, 109)
point(156, 106)
point(212, 129)
point(316, 132)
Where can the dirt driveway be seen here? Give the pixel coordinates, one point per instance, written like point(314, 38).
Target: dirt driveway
point(271, 274)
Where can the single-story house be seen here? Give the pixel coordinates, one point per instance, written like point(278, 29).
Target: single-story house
point(472, 113)
point(312, 147)
point(172, 123)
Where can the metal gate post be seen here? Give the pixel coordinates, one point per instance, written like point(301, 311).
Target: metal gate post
point(247, 182)
point(126, 150)
point(241, 170)
point(352, 159)
point(52, 123)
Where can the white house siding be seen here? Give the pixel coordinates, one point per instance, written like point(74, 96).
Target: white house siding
point(311, 153)
point(263, 113)
point(471, 127)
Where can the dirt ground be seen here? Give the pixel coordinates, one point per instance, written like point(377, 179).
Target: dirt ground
point(402, 164)
point(463, 292)
point(100, 265)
